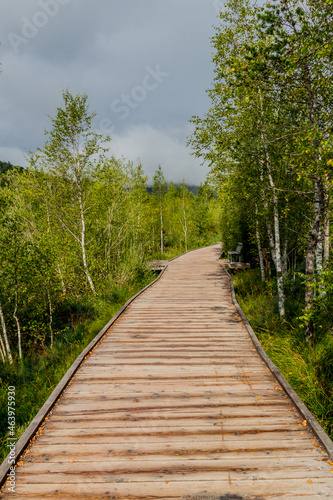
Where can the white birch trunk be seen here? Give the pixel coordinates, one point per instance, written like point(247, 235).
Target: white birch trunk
point(2, 349)
point(83, 244)
point(185, 222)
point(319, 246)
point(261, 260)
point(5, 338)
point(63, 288)
point(18, 328)
point(271, 240)
point(310, 257)
point(285, 258)
point(161, 219)
point(327, 225)
point(277, 246)
point(319, 252)
point(50, 315)
point(270, 234)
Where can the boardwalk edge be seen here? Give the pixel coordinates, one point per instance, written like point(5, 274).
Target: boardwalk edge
point(314, 425)
point(34, 425)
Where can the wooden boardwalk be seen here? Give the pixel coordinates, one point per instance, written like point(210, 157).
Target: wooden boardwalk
point(175, 403)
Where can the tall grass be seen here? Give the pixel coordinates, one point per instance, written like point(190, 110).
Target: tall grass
point(308, 370)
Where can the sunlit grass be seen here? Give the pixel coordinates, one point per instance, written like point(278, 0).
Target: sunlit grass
point(309, 371)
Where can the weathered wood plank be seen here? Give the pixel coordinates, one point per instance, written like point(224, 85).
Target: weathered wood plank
point(175, 488)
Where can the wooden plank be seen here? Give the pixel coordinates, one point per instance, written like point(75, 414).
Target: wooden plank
point(175, 488)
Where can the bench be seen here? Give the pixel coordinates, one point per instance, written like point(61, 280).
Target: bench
point(236, 253)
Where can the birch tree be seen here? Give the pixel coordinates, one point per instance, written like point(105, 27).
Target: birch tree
point(159, 190)
point(69, 154)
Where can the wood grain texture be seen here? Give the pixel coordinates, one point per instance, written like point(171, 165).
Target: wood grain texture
point(175, 403)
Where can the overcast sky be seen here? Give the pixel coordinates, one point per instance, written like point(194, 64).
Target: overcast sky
point(145, 65)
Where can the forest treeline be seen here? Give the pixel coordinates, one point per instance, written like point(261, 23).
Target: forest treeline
point(268, 138)
point(78, 222)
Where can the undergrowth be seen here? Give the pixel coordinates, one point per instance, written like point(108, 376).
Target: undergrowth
point(308, 370)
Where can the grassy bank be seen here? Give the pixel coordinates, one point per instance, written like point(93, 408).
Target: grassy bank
point(35, 378)
point(309, 371)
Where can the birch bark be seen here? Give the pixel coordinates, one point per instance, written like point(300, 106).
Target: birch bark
point(185, 220)
point(161, 222)
point(83, 243)
point(7, 350)
point(277, 242)
point(261, 260)
point(310, 257)
point(18, 327)
point(327, 224)
point(50, 314)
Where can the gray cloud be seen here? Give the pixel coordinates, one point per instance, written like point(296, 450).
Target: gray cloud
point(103, 48)
point(153, 147)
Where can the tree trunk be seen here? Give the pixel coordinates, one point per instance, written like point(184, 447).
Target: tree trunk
point(2, 350)
point(277, 245)
point(277, 242)
point(185, 222)
point(271, 240)
point(63, 287)
point(327, 225)
point(285, 258)
point(261, 260)
point(5, 338)
point(50, 315)
point(319, 246)
point(162, 239)
point(310, 256)
point(83, 244)
point(18, 327)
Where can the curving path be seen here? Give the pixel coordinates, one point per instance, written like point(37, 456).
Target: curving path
point(175, 403)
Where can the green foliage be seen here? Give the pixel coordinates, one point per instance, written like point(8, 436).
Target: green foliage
point(309, 371)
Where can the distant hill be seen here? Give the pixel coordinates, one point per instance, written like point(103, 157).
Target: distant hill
point(6, 165)
point(192, 188)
